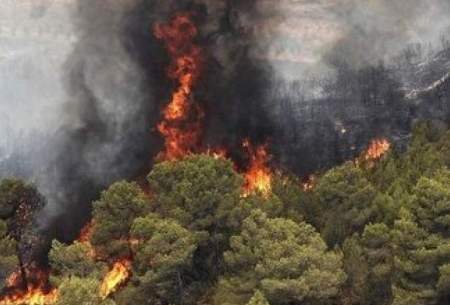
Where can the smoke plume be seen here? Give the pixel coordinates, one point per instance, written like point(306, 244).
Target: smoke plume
point(304, 75)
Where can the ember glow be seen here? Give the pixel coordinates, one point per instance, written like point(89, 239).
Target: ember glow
point(119, 274)
point(86, 232)
point(14, 279)
point(258, 177)
point(217, 153)
point(309, 184)
point(181, 123)
point(377, 149)
point(85, 238)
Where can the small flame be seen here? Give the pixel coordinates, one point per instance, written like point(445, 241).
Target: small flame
point(217, 153)
point(309, 184)
point(14, 279)
point(85, 238)
point(180, 126)
point(258, 176)
point(119, 273)
point(377, 149)
point(86, 232)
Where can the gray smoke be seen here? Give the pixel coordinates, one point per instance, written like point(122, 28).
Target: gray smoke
point(73, 113)
point(36, 38)
point(106, 134)
point(301, 37)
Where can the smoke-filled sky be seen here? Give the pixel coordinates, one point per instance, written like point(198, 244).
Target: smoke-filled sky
point(363, 31)
point(37, 36)
point(71, 89)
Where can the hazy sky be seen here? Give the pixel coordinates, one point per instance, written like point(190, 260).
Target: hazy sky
point(304, 31)
point(34, 43)
point(37, 35)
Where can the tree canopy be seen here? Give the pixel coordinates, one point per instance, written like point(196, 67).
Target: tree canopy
point(358, 234)
point(287, 261)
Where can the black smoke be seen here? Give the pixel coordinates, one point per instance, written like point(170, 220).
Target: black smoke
point(116, 81)
point(116, 77)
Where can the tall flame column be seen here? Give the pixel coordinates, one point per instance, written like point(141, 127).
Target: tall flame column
point(181, 123)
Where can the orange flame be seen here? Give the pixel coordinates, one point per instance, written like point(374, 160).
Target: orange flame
point(86, 232)
point(119, 273)
point(180, 125)
point(35, 292)
point(85, 238)
point(377, 149)
point(258, 176)
point(33, 296)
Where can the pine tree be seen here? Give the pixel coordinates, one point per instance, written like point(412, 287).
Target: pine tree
point(113, 216)
point(347, 201)
point(418, 257)
point(258, 299)
point(163, 252)
point(76, 259)
point(80, 291)
point(286, 261)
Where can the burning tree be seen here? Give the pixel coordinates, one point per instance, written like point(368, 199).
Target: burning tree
point(27, 278)
point(181, 125)
point(377, 149)
point(118, 275)
point(258, 176)
point(215, 230)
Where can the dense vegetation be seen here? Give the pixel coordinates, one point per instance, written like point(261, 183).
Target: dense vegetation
point(369, 234)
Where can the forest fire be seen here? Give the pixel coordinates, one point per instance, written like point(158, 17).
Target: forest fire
point(258, 176)
point(377, 149)
point(120, 270)
point(14, 279)
point(86, 232)
point(119, 273)
point(33, 296)
point(309, 183)
point(181, 127)
point(217, 153)
point(196, 152)
point(35, 292)
point(181, 124)
point(85, 238)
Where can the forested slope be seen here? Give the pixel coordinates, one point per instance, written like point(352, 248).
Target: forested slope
point(366, 232)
